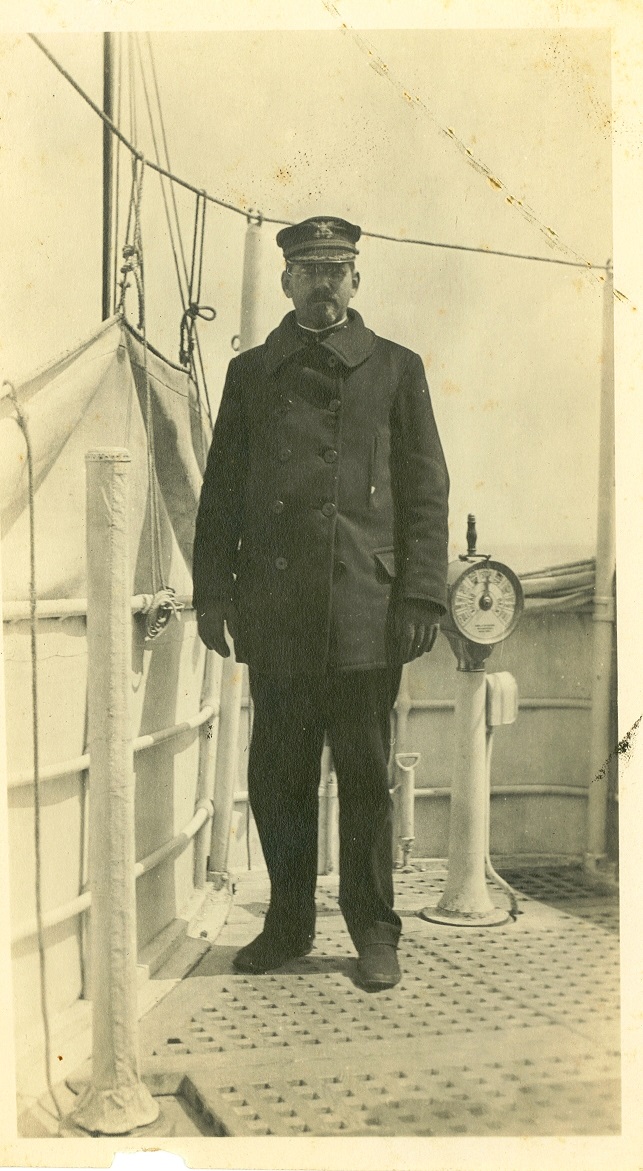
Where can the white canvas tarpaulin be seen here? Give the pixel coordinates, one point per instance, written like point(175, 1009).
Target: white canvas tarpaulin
point(98, 396)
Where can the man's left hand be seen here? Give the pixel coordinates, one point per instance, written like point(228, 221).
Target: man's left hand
point(416, 627)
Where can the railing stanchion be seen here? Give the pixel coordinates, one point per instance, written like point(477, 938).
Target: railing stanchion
point(116, 1101)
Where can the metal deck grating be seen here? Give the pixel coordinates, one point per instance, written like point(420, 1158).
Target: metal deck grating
point(506, 1031)
point(578, 1096)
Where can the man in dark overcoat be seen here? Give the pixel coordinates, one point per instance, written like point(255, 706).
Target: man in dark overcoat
point(321, 541)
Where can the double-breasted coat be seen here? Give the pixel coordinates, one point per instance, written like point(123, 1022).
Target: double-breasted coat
point(324, 500)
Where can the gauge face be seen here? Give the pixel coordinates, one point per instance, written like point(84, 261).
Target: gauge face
point(486, 601)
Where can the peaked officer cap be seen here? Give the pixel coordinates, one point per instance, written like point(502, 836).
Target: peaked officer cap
point(321, 238)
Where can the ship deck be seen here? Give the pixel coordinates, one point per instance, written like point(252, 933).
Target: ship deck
point(511, 1030)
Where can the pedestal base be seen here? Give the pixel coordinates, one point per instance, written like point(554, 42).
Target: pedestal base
point(491, 918)
point(115, 1111)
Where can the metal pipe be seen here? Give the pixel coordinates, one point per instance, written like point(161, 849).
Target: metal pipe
point(402, 708)
point(52, 918)
point(178, 843)
point(322, 819)
point(501, 791)
point(466, 889)
point(207, 761)
point(526, 704)
point(80, 764)
point(249, 326)
point(601, 757)
point(466, 898)
point(82, 902)
point(227, 759)
point(406, 763)
point(116, 1101)
point(332, 825)
point(76, 607)
point(232, 675)
point(108, 180)
point(518, 791)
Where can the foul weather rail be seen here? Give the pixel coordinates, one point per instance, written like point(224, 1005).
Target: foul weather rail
point(71, 910)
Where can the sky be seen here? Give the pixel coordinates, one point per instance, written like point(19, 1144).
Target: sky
point(493, 139)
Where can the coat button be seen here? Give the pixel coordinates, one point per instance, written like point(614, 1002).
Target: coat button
point(329, 509)
point(281, 563)
point(330, 455)
point(334, 405)
point(332, 360)
point(285, 454)
point(339, 568)
point(277, 506)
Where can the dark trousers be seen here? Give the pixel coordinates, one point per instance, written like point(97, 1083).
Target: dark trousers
point(291, 718)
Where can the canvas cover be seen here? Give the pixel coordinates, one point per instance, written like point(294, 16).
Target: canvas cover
point(96, 396)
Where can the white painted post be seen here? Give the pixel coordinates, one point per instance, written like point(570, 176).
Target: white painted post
point(601, 746)
point(466, 898)
point(322, 819)
point(232, 675)
point(116, 1100)
point(332, 824)
point(406, 763)
point(207, 762)
point(402, 711)
point(226, 770)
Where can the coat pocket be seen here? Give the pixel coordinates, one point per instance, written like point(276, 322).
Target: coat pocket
point(385, 564)
point(372, 472)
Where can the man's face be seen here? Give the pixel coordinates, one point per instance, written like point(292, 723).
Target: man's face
point(320, 291)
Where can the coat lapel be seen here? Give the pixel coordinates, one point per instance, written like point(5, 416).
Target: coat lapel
point(352, 343)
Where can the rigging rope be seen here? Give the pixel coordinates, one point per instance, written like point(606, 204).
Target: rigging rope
point(23, 424)
point(588, 266)
point(194, 310)
point(189, 302)
point(117, 175)
point(163, 605)
point(170, 226)
point(167, 152)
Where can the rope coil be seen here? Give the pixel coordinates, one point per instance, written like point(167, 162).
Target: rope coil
point(162, 607)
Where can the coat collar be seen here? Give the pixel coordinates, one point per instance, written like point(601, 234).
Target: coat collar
point(352, 343)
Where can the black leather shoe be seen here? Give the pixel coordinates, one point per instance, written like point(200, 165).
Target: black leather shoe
point(265, 952)
point(377, 967)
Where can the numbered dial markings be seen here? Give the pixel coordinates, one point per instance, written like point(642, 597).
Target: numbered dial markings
point(486, 602)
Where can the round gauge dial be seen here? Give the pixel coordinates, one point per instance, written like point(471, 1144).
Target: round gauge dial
point(486, 602)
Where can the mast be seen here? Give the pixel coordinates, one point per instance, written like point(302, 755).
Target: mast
point(602, 756)
point(108, 155)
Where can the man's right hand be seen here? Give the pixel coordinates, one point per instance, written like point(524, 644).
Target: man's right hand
point(210, 624)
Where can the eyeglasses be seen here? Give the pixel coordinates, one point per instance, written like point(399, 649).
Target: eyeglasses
point(334, 273)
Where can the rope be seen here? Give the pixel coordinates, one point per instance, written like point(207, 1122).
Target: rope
point(167, 154)
point(189, 302)
point(163, 604)
point(117, 177)
point(44, 1007)
point(162, 607)
point(193, 309)
point(588, 265)
point(132, 249)
point(119, 134)
point(131, 92)
point(182, 295)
